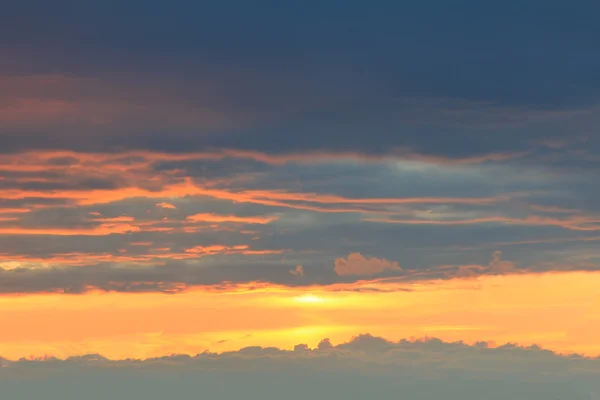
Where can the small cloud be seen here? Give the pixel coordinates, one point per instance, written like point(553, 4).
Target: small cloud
point(165, 205)
point(214, 218)
point(299, 271)
point(466, 271)
point(497, 265)
point(325, 345)
point(357, 264)
point(301, 348)
point(140, 244)
point(554, 143)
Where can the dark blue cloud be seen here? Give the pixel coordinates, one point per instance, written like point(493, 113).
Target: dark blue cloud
point(542, 52)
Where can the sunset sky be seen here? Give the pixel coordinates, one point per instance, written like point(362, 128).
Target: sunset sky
point(237, 178)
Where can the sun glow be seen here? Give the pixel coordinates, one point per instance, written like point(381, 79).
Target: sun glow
point(310, 299)
point(559, 311)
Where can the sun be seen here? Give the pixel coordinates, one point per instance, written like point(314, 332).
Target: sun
point(309, 299)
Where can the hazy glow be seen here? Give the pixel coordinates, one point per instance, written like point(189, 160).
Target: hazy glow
point(560, 311)
point(310, 299)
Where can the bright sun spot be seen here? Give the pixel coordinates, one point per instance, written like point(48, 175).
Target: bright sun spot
point(310, 299)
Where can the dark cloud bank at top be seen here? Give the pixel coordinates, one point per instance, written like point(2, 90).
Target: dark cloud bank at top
point(451, 80)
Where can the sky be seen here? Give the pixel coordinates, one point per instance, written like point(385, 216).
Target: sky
point(284, 198)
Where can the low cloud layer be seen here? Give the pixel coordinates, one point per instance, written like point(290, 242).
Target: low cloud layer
point(365, 366)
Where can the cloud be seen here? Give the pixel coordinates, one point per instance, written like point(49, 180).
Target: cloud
point(100, 178)
point(149, 270)
point(460, 101)
point(213, 218)
point(576, 223)
point(357, 264)
point(101, 230)
point(428, 368)
point(166, 205)
point(140, 266)
point(298, 271)
point(258, 155)
point(499, 266)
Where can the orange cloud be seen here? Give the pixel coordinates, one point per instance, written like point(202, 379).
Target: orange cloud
point(553, 209)
point(127, 224)
point(142, 159)
point(165, 205)
point(14, 210)
point(264, 197)
point(101, 230)
point(134, 176)
point(209, 217)
point(298, 271)
point(357, 264)
point(115, 219)
point(239, 249)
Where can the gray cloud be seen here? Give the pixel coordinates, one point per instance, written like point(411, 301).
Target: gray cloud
point(453, 84)
point(364, 366)
point(422, 108)
point(357, 264)
point(174, 272)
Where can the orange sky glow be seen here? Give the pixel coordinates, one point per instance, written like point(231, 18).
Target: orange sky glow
point(558, 310)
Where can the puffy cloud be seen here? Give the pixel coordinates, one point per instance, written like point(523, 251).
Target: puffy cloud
point(357, 264)
point(499, 266)
point(298, 271)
